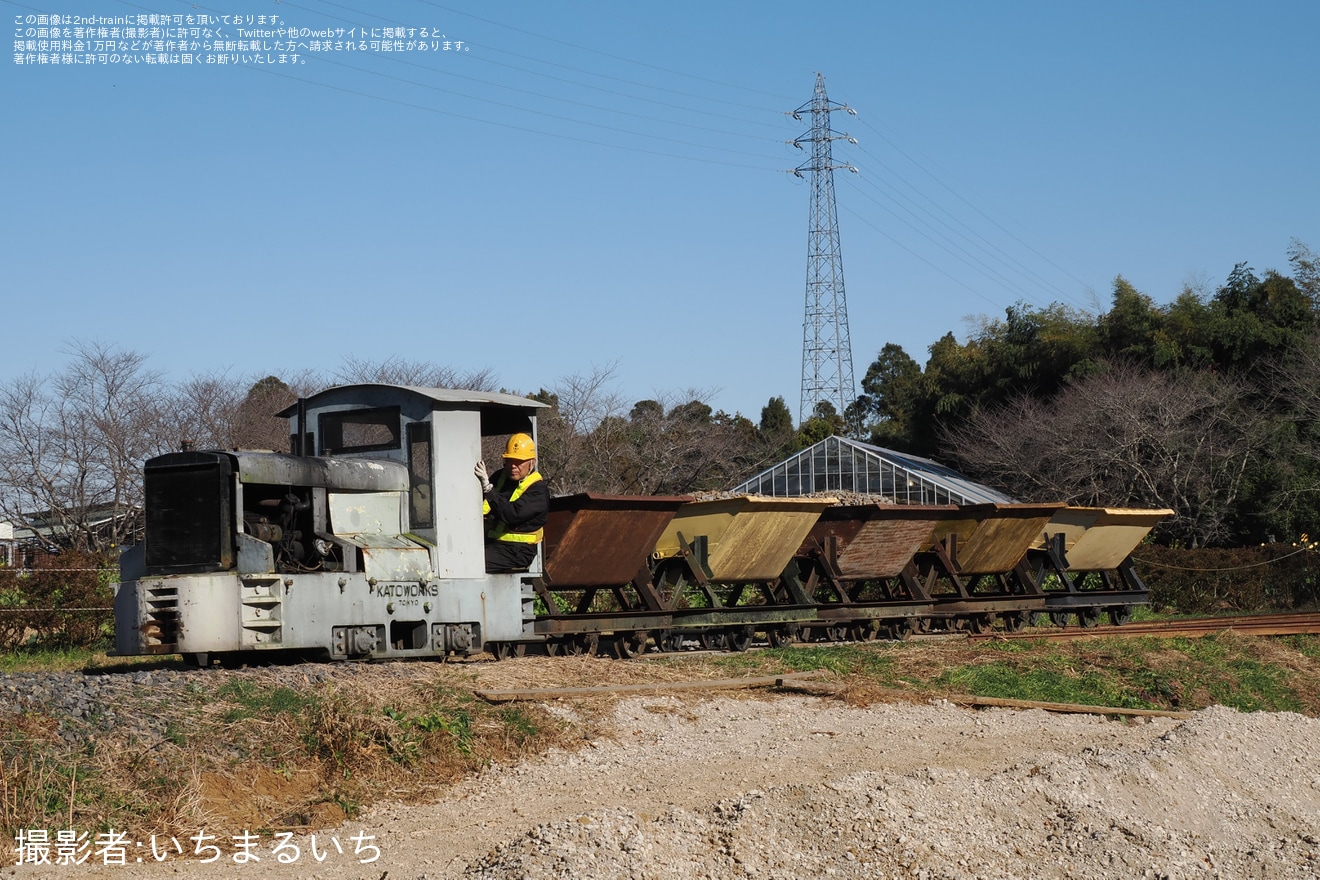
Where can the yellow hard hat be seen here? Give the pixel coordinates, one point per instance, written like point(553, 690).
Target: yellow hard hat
point(521, 447)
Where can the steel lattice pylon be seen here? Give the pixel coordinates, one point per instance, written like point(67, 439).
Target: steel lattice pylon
point(827, 367)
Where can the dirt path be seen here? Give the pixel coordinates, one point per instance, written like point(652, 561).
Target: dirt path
point(797, 786)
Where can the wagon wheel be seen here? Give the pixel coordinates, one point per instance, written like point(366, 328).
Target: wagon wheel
point(553, 647)
point(1120, 614)
point(900, 630)
point(1033, 618)
point(977, 623)
point(712, 641)
point(1088, 617)
point(583, 644)
point(836, 632)
point(499, 650)
point(863, 631)
point(1014, 621)
point(738, 638)
point(923, 625)
point(630, 644)
point(669, 641)
point(1059, 618)
point(782, 636)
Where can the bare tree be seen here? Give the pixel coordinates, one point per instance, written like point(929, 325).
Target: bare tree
point(396, 370)
point(671, 444)
point(576, 450)
point(677, 444)
point(1124, 437)
point(203, 410)
point(72, 446)
point(217, 411)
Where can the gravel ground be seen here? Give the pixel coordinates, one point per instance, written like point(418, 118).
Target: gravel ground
point(802, 787)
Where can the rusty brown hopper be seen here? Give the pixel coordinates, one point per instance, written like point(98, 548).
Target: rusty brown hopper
point(749, 537)
point(1100, 538)
point(603, 540)
point(992, 538)
point(878, 540)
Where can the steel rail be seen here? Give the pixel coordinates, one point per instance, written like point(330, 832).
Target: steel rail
point(1255, 625)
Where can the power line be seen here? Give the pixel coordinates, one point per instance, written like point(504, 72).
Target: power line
point(972, 206)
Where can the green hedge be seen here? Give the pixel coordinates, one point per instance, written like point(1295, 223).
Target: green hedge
point(1272, 577)
point(61, 601)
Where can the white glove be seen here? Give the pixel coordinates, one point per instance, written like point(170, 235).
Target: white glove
point(480, 472)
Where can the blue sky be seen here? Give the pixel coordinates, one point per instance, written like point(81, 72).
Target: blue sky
point(586, 183)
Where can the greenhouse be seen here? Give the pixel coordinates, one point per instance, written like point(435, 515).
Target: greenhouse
point(837, 464)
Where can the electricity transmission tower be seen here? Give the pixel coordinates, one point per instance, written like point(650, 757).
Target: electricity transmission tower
point(827, 367)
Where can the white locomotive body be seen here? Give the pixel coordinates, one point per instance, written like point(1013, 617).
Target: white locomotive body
point(374, 547)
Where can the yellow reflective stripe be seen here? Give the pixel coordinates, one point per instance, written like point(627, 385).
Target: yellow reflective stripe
point(518, 537)
point(533, 477)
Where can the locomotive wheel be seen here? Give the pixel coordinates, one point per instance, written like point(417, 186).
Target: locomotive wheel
point(1014, 621)
point(629, 645)
point(1059, 619)
point(738, 638)
point(1120, 614)
point(1088, 617)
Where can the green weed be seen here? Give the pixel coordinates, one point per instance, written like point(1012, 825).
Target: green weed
point(519, 727)
point(255, 700)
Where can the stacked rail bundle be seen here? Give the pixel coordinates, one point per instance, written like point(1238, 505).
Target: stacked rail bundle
point(597, 577)
point(1084, 562)
point(858, 566)
point(719, 567)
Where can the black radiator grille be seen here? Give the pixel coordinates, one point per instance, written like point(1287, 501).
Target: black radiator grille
point(189, 525)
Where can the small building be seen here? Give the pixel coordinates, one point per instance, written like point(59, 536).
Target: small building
point(837, 464)
point(43, 533)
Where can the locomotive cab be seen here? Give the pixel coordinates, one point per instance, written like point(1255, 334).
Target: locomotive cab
point(373, 547)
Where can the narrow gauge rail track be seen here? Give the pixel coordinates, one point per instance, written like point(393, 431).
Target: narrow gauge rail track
point(1192, 628)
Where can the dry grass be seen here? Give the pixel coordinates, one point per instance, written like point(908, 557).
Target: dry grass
point(252, 754)
point(278, 748)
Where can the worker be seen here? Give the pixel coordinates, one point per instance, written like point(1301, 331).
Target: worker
point(516, 503)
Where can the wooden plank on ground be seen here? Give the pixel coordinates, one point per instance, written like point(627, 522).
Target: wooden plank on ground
point(507, 696)
point(830, 689)
point(1077, 708)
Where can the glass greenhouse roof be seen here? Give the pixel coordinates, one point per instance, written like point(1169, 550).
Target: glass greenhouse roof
point(837, 464)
